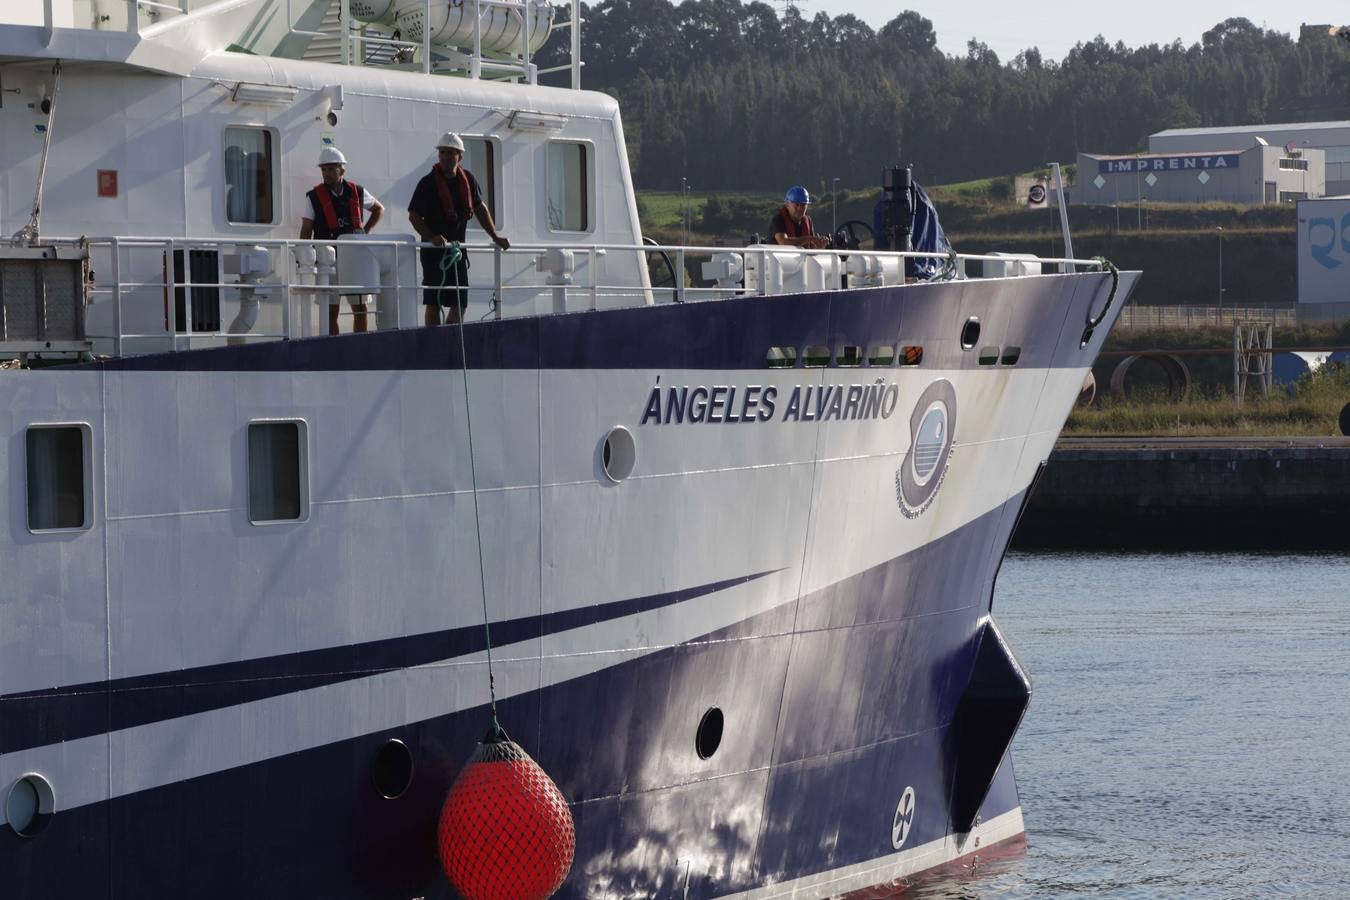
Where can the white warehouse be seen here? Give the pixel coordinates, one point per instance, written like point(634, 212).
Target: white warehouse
point(1256, 174)
point(1331, 137)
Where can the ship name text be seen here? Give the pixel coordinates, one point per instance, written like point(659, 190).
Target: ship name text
point(728, 403)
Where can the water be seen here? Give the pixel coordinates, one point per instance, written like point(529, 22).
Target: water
point(1189, 731)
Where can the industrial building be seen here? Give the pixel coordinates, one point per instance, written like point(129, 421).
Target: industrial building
point(1331, 137)
point(1254, 172)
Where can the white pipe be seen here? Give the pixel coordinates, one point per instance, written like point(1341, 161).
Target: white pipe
point(1063, 217)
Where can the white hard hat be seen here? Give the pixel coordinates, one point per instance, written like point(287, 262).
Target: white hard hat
point(330, 155)
point(450, 141)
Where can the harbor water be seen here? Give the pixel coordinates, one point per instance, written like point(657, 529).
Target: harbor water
point(1188, 731)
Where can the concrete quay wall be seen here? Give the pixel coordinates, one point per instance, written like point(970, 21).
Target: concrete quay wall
point(1192, 494)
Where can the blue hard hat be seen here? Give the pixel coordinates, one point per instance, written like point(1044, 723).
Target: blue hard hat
point(797, 194)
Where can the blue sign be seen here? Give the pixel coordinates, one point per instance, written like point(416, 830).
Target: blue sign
point(1166, 163)
point(1323, 250)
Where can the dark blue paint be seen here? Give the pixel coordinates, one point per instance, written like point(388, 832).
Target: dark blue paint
point(725, 334)
point(825, 728)
point(38, 718)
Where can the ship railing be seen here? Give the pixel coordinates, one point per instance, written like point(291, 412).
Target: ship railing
point(162, 18)
point(151, 294)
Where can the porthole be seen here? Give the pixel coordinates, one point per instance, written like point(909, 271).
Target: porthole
point(618, 454)
point(911, 355)
point(392, 770)
point(988, 356)
point(881, 355)
point(709, 736)
point(29, 805)
point(970, 333)
point(1011, 355)
point(781, 357)
point(850, 355)
point(817, 357)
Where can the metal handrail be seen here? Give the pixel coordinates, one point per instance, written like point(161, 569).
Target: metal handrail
point(586, 292)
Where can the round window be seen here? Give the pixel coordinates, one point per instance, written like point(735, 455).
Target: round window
point(709, 736)
point(618, 454)
point(28, 807)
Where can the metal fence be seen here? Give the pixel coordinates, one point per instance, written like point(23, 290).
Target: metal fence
point(1141, 318)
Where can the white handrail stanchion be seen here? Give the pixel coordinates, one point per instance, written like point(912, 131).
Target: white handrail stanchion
point(576, 45)
point(170, 297)
point(426, 39)
point(497, 279)
point(590, 264)
point(289, 256)
point(117, 297)
point(476, 64)
point(398, 294)
point(679, 277)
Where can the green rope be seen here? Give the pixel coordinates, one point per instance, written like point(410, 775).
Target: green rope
point(450, 258)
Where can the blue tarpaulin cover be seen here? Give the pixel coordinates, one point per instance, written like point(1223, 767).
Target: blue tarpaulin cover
point(926, 234)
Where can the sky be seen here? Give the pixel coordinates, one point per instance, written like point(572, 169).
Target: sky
point(1055, 26)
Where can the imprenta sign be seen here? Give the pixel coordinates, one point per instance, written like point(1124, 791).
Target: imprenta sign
point(1166, 163)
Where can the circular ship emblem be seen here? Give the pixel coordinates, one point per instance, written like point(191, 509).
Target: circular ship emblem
point(904, 818)
point(931, 426)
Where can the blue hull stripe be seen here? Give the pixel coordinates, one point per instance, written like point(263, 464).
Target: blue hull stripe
point(38, 718)
point(724, 334)
point(827, 724)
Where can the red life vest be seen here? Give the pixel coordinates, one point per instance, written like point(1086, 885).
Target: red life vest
point(796, 229)
point(461, 185)
point(331, 226)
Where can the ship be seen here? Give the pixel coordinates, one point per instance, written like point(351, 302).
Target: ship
point(727, 542)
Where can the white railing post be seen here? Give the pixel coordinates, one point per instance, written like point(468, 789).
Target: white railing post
point(576, 45)
point(591, 258)
point(345, 31)
point(498, 294)
point(117, 297)
point(171, 300)
point(289, 256)
point(426, 38)
point(397, 292)
point(679, 277)
point(476, 64)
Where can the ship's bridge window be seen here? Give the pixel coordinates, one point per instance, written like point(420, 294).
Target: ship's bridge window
point(481, 158)
point(277, 472)
point(58, 476)
point(250, 167)
point(569, 186)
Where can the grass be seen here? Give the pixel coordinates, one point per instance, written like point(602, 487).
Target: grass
point(1311, 408)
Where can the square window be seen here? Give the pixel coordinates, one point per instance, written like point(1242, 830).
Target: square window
point(569, 187)
point(276, 476)
point(249, 167)
point(58, 477)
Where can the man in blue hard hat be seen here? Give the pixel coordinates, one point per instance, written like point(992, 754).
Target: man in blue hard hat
point(792, 226)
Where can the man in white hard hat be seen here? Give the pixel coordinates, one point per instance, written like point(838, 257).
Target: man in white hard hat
point(441, 206)
point(334, 208)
